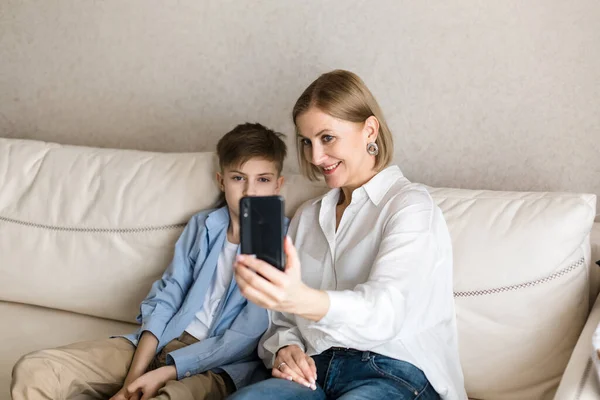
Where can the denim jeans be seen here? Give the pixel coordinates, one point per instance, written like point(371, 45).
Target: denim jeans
point(349, 374)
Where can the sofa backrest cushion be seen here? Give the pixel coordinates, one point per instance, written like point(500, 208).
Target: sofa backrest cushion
point(521, 286)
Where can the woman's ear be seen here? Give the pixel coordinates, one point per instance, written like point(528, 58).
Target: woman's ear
point(371, 128)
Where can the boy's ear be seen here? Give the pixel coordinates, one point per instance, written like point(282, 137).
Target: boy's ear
point(280, 181)
point(220, 182)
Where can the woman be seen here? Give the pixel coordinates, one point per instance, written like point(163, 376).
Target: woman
point(364, 308)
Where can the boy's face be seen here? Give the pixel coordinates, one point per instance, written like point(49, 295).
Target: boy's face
point(256, 177)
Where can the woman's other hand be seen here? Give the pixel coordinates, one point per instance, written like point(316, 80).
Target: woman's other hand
point(294, 364)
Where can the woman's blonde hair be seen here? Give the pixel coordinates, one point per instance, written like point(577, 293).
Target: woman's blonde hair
point(343, 95)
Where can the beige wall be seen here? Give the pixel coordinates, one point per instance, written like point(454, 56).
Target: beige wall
point(479, 94)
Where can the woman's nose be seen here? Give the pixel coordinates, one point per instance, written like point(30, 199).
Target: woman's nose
point(318, 156)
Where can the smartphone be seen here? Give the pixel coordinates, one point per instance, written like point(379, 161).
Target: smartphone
point(262, 228)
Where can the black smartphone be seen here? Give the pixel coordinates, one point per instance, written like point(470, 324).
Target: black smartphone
point(262, 228)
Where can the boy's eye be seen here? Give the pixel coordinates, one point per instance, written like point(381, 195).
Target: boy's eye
point(327, 138)
point(264, 180)
point(305, 142)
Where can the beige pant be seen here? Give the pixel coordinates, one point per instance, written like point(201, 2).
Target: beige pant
point(97, 370)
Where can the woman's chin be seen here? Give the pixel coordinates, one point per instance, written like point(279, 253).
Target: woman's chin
point(333, 181)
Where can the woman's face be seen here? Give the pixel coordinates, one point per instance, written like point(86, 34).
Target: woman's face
point(337, 147)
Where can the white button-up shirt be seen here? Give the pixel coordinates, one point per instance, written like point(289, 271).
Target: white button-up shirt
point(388, 272)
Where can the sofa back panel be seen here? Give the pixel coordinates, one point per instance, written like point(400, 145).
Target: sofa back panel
point(521, 265)
point(103, 274)
point(91, 188)
point(497, 235)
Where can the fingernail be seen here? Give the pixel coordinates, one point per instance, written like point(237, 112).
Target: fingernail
point(239, 257)
point(314, 387)
point(289, 378)
point(312, 382)
point(307, 384)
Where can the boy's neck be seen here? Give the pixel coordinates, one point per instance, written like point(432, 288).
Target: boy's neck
point(233, 232)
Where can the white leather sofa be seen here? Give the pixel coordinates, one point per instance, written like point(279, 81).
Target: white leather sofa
point(84, 232)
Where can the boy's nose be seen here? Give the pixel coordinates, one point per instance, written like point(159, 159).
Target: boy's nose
point(250, 190)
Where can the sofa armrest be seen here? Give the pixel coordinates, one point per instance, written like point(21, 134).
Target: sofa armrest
point(580, 380)
point(595, 253)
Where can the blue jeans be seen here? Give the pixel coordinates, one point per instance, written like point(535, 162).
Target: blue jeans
point(349, 374)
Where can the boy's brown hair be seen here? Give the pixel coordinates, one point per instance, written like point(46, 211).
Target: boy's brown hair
point(247, 141)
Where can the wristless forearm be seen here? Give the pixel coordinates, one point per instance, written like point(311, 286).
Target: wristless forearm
point(314, 305)
point(144, 353)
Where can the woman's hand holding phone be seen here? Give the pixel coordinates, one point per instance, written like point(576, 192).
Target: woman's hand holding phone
point(278, 290)
point(267, 286)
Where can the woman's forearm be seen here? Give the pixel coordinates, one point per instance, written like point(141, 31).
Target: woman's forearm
point(313, 304)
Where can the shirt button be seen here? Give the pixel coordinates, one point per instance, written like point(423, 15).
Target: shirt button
point(187, 374)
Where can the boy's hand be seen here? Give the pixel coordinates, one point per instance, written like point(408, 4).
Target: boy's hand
point(151, 382)
point(124, 395)
point(292, 363)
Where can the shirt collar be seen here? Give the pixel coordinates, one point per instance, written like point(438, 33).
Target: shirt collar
point(218, 218)
point(376, 188)
point(381, 183)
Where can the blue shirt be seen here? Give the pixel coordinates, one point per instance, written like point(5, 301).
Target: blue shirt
point(174, 300)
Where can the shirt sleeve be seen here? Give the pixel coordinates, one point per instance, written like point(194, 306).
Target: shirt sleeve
point(237, 343)
point(374, 312)
point(282, 332)
point(167, 294)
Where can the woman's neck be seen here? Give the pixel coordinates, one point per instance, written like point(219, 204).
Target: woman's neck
point(346, 191)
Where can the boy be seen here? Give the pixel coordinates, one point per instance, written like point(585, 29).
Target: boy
point(198, 335)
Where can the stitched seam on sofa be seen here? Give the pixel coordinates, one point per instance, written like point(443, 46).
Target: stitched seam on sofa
point(483, 292)
point(583, 380)
point(92, 230)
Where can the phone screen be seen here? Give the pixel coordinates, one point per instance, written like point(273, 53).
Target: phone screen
point(262, 228)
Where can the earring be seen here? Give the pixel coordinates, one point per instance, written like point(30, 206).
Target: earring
point(372, 149)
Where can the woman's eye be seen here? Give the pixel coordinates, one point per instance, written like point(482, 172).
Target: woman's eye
point(305, 142)
point(327, 138)
point(237, 178)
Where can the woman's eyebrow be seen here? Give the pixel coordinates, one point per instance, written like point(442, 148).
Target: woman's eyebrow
point(316, 135)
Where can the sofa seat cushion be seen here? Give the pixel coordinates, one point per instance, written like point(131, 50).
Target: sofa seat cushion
point(28, 328)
